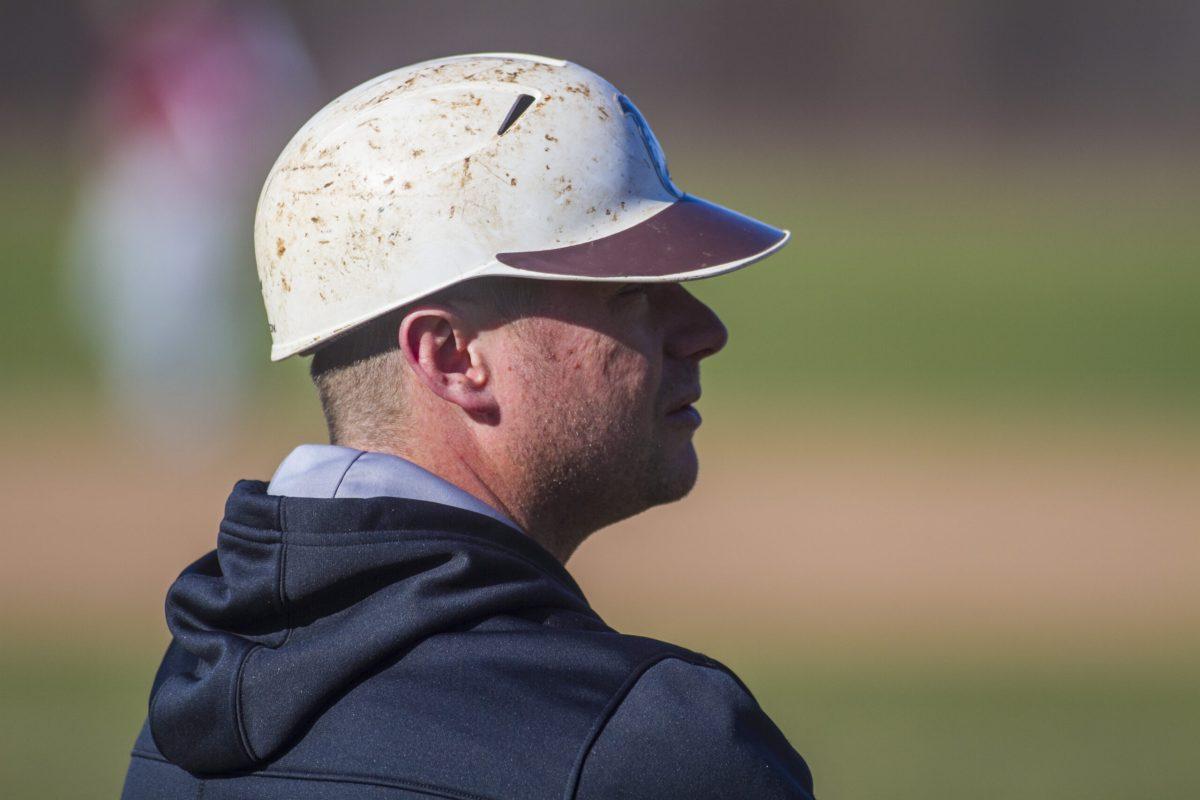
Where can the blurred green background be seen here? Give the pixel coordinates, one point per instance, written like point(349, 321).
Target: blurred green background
point(963, 401)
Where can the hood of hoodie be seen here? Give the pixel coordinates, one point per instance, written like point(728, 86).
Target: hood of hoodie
point(303, 598)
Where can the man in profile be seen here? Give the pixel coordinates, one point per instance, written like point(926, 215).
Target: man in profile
point(484, 256)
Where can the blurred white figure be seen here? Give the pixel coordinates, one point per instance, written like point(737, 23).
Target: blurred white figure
point(193, 101)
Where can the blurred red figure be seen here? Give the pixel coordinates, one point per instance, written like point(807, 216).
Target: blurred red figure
point(191, 102)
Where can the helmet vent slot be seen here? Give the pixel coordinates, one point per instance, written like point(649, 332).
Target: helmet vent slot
point(522, 102)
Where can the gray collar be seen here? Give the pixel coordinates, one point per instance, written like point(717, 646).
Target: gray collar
point(331, 471)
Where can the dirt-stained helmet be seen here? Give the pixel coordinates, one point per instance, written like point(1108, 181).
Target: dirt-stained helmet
point(474, 165)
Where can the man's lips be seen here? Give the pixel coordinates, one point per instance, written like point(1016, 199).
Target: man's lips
point(685, 401)
point(688, 415)
point(684, 411)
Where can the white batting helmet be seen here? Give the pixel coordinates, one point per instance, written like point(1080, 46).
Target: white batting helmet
point(487, 164)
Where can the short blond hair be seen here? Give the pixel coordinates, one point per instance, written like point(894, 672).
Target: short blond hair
point(362, 378)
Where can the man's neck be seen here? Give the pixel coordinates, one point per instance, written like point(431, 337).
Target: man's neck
point(462, 464)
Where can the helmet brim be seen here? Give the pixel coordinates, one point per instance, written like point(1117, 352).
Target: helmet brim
point(689, 239)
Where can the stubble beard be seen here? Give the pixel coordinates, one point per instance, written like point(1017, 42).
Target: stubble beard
point(587, 468)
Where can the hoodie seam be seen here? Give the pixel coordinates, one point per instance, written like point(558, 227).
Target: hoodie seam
point(285, 607)
point(337, 487)
point(337, 777)
point(601, 722)
point(239, 715)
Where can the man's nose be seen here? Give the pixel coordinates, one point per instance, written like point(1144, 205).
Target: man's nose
point(696, 331)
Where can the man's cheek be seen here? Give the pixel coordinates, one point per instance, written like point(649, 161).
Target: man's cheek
point(629, 369)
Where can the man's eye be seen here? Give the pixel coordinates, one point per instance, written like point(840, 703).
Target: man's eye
point(632, 288)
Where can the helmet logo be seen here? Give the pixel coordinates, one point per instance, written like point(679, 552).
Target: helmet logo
point(653, 148)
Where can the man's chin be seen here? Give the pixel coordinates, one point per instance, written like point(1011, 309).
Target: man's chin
point(678, 478)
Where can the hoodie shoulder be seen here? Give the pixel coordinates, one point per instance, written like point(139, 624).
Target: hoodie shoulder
point(691, 730)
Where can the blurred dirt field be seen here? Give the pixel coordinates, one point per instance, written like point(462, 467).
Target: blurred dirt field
point(852, 533)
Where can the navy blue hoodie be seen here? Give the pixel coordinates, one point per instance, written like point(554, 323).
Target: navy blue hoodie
point(391, 648)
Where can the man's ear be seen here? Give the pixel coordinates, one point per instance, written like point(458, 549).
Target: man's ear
point(443, 351)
